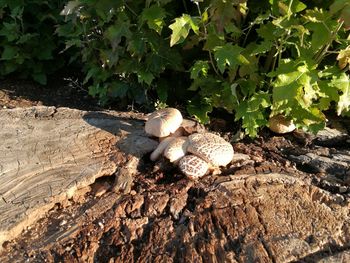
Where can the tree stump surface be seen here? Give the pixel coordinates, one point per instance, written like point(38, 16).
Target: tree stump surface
point(48, 153)
point(260, 209)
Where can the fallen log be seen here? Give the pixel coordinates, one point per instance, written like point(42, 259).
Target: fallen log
point(48, 153)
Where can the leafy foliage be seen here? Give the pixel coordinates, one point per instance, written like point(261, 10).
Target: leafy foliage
point(28, 44)
point(123, 46)
point(278, 59)
point(254, 59)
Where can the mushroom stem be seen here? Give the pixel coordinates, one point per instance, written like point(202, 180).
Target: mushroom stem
point(161, 147)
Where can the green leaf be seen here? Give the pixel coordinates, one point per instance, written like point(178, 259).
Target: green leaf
point(162, 90)
point(145, 77)
point(229, 55)
point(344, 7)
point(181, 27)
point(287, 6)
point(9, 53)
point(263, 47)
point(200, 68)
point(342, 83)
point(289, 90)
point(118, 89)
point(199, 108)
point(154, 16)
point(137, 44)
point(269, 32)
point(232, 28)
point(26, 37)
point(10, 30)
point(338, 5)
point(40, 77)
point(316, 15)
point(321, 35)
point(213, 39)
point(252, 113)
point(297, 6)
point(46, 52)
point(225, 97)
point(114, 33)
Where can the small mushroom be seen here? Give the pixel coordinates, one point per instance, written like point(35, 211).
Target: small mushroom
point(163, 122)
point(211, 148)
point(193, 166)
point(176, 149)
point(208, 152)
point(161, 147)
point(279, 124)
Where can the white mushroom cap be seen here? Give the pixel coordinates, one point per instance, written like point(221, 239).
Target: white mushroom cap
point(211, 148)
point(163, 122)
point(193, 166)
point(176, 149)
point(279, 124)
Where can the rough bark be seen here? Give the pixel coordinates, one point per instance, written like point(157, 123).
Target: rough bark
point(260, 209)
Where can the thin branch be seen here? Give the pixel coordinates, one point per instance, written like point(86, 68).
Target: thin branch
point(206, 35)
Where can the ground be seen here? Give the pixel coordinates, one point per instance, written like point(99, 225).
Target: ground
point(293, 206)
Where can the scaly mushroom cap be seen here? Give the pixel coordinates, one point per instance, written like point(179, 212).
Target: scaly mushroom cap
point(176, 149)
point(163, 122)
point(193, 166)
point(211, 148)
point(279, 124)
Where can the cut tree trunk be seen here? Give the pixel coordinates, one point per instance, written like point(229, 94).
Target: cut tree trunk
point(48, 153)
point(264, 212)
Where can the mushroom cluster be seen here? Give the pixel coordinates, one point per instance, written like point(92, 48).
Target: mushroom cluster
point(195, 154)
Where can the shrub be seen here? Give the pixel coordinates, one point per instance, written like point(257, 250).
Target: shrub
point(124, 47)
point(28, 45)
point(252, 58)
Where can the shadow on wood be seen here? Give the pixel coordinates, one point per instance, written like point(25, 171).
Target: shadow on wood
point(48, 153)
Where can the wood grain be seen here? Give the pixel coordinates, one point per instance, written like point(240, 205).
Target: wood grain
point(47, 153)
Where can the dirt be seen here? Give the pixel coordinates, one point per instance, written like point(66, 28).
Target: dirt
point(60, 93)
point(283, 199)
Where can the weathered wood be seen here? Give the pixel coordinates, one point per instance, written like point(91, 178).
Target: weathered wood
point(261, 209)
point(47, 153)
point(246, 218)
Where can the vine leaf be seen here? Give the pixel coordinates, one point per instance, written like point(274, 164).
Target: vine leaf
point(251, 112)
point(154, 16)
point(200, 68)
point(199, 108)
point(181, 27)
point(342, 83)
point(229, 55)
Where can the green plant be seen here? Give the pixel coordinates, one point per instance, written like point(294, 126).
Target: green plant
point(278, 60)
point(123, 46)
point(28, 45)
point(253, 58)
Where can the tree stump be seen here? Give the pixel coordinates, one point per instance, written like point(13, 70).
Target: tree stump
point(48, 153)
point(265, 212)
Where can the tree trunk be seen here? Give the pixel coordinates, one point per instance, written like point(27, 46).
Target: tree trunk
point(261, 209)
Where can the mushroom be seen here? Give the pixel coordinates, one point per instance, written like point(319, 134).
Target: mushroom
point(208, 152)
point(279, 124)
point(176, 149)
point(163, 122)
point(193, 166)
